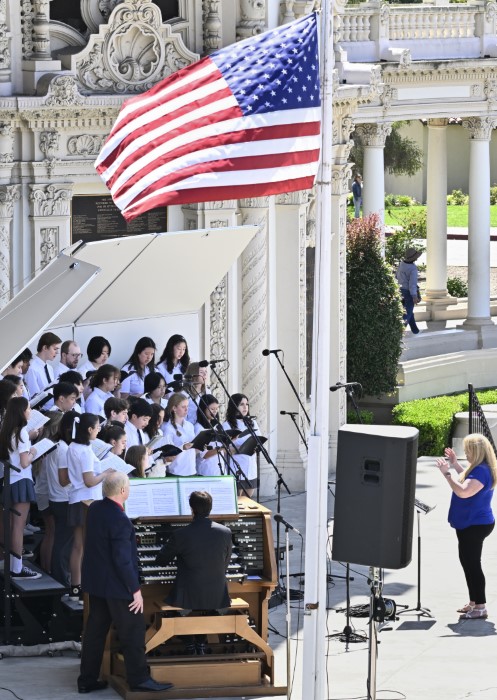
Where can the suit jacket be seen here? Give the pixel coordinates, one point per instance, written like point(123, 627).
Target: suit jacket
point(110, 560)
point(203, 551)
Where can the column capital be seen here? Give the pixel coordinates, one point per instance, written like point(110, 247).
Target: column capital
point(50, 200)
point(437, 123)
point(9, 194)
point(374, 134)
point(340, 177)
point(480, 128)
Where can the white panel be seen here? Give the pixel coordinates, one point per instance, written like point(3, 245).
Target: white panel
point(34, 308)
point(434, 93)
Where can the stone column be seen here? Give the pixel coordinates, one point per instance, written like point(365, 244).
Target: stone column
point(255, 320)
point(212, 26)
point(253, 18)
point(36, 46)
point(437, 298)
point(480, 132)
point(373, 138)
point(5, 51)
point(291, 288)
point(50, 213)
point(9, 194)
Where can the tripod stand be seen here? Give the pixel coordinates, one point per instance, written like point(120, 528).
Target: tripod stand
point(419, 610)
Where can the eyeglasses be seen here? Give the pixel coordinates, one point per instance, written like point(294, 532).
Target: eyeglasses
point(75, 354)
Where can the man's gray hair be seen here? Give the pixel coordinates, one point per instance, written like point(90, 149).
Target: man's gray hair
point(113, 483)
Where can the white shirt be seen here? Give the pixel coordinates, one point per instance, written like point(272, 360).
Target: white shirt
point(133, 435)
point(95, 401)
point(247, 463)
point(81, 460)
point(60, 369)
point(169, 376)
point(183, 464)
point(53, 462)
point(86, 367)
point(15, 458)
point(134, 384)
point(36, 376)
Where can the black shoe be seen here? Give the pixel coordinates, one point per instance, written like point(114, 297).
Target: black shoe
point(90, 687)
point(190, 649)
point(76, 594)
point(25, 574)
point(200, 648)
point(153, 686)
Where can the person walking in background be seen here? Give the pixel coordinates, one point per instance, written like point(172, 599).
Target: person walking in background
point(357, 195)
point(407, 277)
point(470, 513)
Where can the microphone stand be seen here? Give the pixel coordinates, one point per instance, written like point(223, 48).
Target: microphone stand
point(292, 386)
point(294, 421)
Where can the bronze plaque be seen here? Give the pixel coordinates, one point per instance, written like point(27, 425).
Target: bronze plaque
point(97, 218)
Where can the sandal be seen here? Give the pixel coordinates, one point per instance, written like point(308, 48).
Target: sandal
point(466, 608)
point(475, 614)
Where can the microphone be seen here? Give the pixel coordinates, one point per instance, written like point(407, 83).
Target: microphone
point(289, 413)
point(281, 519)
point(267, 352)
point(206, 363)
point(341, 385)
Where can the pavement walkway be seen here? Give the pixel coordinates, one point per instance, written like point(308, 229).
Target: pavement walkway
point(419, 658)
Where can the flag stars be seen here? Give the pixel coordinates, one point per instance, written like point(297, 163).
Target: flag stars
point(284, 100)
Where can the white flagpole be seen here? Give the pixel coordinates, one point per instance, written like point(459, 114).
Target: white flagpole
point(314, 661)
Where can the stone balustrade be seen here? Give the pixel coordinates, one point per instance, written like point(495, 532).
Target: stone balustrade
point(438, 30)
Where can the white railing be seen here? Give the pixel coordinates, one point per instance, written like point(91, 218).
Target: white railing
point(471, 26)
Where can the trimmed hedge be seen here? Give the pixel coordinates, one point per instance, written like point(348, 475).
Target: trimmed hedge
point(434, 418)
point(366, 417)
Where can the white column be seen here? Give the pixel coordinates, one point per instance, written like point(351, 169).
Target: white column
point(373, 138)
point(478, 316)
point(479, 222)
point(436, 201)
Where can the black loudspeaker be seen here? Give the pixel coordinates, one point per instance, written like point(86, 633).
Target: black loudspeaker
point(374, 496)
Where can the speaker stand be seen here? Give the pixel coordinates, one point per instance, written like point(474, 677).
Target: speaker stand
point(419, 610)
point(347, 635)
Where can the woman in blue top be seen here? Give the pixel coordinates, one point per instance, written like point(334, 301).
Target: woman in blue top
point(470, 513)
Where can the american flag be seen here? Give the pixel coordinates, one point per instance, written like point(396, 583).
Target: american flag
point(242, 122)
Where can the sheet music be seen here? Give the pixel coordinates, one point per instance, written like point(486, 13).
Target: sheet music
point(221, 488)
point(100, 448)
point(38, 398)
point(36, 420)
point(112, 461)
point(43, 446)
point(152, 497)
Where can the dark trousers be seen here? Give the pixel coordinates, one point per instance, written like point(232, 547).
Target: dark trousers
point(131, 632)
point(408, 304)
point(470, 546)
point(62, 544)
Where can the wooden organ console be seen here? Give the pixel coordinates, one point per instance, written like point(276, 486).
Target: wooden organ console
point(239, 661)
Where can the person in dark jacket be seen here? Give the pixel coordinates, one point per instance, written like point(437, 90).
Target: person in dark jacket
point(110, 577)
point(202, 550)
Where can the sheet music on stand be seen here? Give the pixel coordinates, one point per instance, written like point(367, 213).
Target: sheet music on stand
point(163, 497)
point(422, 506)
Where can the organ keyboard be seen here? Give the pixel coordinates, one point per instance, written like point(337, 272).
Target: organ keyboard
point(234, 667)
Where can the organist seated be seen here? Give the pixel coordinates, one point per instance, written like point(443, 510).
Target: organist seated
point(202, 550)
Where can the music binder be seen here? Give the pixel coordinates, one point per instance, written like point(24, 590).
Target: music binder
point(44, 447)
point(251, 445)
point(201, 440)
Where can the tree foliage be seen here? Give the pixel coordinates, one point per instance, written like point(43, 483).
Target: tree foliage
point(402, 155)
point(374, 311)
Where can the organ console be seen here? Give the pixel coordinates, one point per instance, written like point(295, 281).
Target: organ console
point(239, 660)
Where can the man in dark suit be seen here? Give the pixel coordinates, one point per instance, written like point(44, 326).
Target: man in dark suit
point(202, 550)
point(110, 577)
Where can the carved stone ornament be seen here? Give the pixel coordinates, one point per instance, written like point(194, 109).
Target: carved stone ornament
point(9, 194)
point(212, 25)
point(50, 200)
point(253, 18)
point(132, 52)
point(374, 134)
point(63, 92)
point(85, 145)
point(219, 327)
point(6, 143)
point(480, 128)
point(490, 91)
point(5, 57)
point(490, 10)
point(340, 177)
point(49, 240)
point(49, 143)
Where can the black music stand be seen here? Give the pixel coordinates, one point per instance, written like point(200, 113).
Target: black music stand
point(419, 610)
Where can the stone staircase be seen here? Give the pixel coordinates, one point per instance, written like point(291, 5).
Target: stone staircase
point(461, 427)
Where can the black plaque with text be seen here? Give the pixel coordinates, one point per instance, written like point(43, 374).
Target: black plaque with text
point(98, 218)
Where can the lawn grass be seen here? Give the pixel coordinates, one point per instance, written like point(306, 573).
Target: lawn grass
point(456, 216)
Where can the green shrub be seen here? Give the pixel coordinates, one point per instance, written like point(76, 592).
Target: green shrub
point(493, 194)
point(366, 417)
point(457, 287)
point(350, 199)
point(374, 311)
point(403, 200)
point(434, 418)
point(414, 223)
point(457, 198)
point(396, 245)
point(390, 200)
